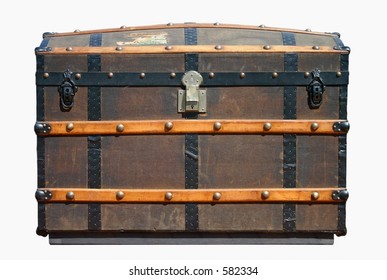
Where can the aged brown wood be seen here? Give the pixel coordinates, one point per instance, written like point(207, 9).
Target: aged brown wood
point(158, 49)
point(192, 126)
point(301, 195)
point(190, 25)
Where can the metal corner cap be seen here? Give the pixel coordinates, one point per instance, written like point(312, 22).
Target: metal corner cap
point(48, 34)
point(42, 128)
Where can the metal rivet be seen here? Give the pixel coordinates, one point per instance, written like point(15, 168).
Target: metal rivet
point(242, 75)
point(70, 195)
point(306, 74)
point(217, 126)
point(262, 26)
point(118, 48)
point(46, 75)
point(77, 30)
point(169, 24)
point(110, 75)
point(211, 75)
point(173, 75)
point(120, 195)
point(218, 47)
point(338, 74)
point(274, 75)
point(308, 30)
point(123, 27)
point(314, 126)
point(69, 126)
point(315, 195)
point(168, 48)
point(69, 49)
point(120, 127)
point(168, 195)
point(267, 126)
point(266, 47)
point(216, 23)
point(217, 195)
point(142, 75)
point(316, 47)
point(169, 125)
point(265, 194)
point(78, 76)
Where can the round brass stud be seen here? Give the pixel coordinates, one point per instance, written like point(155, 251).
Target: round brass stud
point(168, 125)
point(118, 48)
point(123, 27)
point(265, 194)
point(120, 195)
point(120, 127)
point(338, 74)
point(142, 75)
point(315, 195)
point(70, 195)
point(168, 48)
point(78, 76)
point(306, 75)
point(316, 47)
point(168, 195)
point(211, 75)
point(172, 75)
point(110, 75)
point(314, 126)
point(217, 195)
point(217, 126)
point(308, 30)
point(69, 49)
point(266, 47)
point(267, 126)
point(262, 26)
point(274, 75)
point(69, 126)
point(218, 47)
point(77, 31)
point(242, 75)
point(169, 24)
point(216, 23)
point(46, 75)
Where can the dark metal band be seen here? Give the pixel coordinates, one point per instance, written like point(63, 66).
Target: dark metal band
point(342, 150)
point(290, 140)
point(191, 140)
point(94, 142)
point(103, 79)
point(41, 150)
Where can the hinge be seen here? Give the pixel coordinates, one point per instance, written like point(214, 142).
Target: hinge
point(192, 99)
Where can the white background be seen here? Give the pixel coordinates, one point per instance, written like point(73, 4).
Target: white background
point(361, 26)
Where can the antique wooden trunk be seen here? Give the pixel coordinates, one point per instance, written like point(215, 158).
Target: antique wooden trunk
point(191, 133)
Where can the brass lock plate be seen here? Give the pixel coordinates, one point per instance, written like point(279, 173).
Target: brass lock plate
point(192, 99)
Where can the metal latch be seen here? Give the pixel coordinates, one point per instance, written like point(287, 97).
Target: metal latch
point(315, 90)
point(67, 91)
point(192, 99)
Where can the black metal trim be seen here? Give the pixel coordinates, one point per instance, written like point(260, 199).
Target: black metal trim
point(228, 79)
point(290, 140)
point(94, 142)
point(342, 148)
point(191, 140)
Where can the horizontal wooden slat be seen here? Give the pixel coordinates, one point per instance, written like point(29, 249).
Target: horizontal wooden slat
point(277, 195)
point(190, 25)
point(179, 126)
point(190, 49)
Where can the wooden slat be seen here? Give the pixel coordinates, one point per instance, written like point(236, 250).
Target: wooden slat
point(191, 49)
point(301, 195)
point(59, 128)
point(190, 25)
